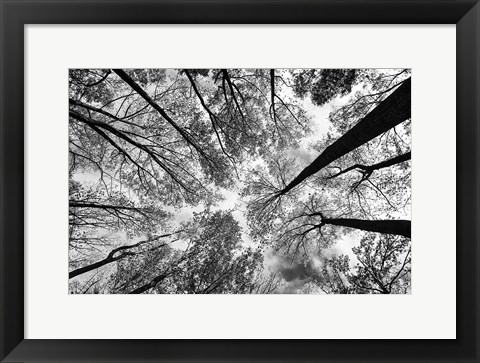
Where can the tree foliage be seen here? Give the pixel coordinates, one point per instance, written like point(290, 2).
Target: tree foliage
point(324, 84)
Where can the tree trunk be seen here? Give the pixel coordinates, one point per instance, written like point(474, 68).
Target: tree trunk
point(393, 161)
point(272, 93)
point(101, 206)
point(92, 108)
point(395, 109)
point(124, 76)
point(369, 169)
point(398, 227)
point(94, 266)
point(151, 284)
point(111, 256)
point(170, 271)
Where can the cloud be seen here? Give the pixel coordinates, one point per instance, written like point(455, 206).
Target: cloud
point(292, 287)
point(301, 155)
point(293, 273)
point(296, 271)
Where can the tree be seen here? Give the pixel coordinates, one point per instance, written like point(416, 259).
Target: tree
point(303, 234)
point(121, 253)
point(396, 227)
point(145, 155)
point(392, 111)
point(383, 268)
point(123, 75)
point(240, 112)
point(219, 263)
point(100, 223)
point(142, 272)
point(367, 170)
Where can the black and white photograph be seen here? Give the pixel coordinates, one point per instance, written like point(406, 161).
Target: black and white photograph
point(239, 181)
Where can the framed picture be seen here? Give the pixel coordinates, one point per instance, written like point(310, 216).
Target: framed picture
point(307, 172)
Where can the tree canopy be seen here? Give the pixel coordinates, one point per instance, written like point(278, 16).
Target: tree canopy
point(239, 181)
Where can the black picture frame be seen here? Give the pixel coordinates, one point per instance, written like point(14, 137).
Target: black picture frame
point(16, 13)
